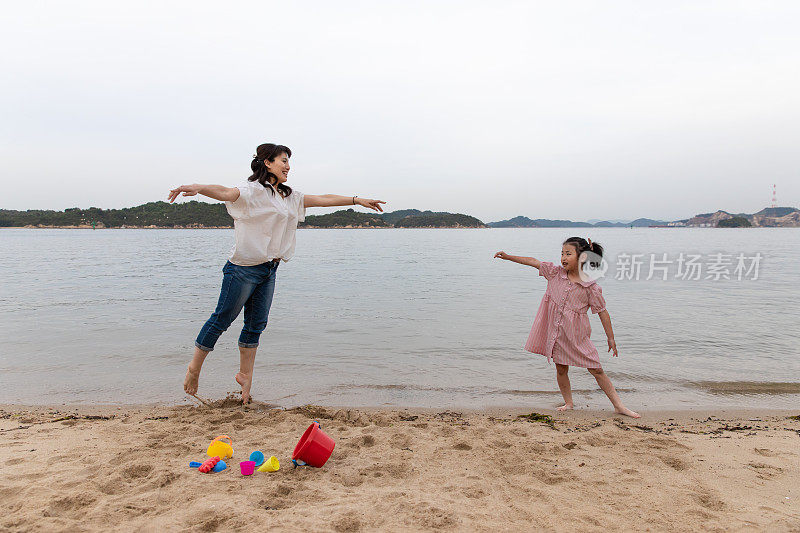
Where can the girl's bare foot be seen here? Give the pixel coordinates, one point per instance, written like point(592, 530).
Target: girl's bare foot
point(565, 407)
point(190, 382)
point(245, 380)
point(627, 412)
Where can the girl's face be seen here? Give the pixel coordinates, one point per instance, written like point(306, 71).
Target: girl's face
point(279, 168)
point(569, 257)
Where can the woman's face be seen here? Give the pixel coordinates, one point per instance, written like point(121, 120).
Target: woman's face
point(279, 168)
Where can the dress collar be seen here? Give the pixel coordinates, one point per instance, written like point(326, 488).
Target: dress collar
point(563, 273)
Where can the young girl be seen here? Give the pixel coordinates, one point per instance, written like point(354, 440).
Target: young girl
point(561, 331)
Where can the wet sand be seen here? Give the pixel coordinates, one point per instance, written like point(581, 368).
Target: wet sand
point(126, 468)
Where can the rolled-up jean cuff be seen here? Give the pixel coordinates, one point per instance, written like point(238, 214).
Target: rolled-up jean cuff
point(248, 345)
point(204, 348)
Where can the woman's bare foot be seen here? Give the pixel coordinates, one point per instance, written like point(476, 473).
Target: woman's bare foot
point(245, 380)
point(190, 382)
point(565, 407)
point(627, 412)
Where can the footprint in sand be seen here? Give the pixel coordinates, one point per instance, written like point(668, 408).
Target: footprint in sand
point(346, 523)
point(400, 441)
point(283, 490)
point(430, 517)
point(674, 463)
point(274, 504)
point(764, 452)
point(137, 471)
point(69, 505)
point(214, 523)
point(351, 479)
point(662, 443)
point(391, 470)
point(766, 471)
point(709, 500)
point(474, 493)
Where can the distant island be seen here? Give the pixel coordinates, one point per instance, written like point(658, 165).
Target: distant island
point(406, 218)
point(769, 217)
point(525, 222)
point(196, 214)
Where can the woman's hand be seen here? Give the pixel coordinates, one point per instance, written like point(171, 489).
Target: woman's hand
point(371, 204)
point(501, 255)
point(612, 345)
point(217, 192)
point(187, 190)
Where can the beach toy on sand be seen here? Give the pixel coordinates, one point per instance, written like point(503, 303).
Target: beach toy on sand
point(222, 449)
point(219, 467)
point(270, 465)
point(257, 457)
point(208, 465)
point(247, 467)
point(314, 448)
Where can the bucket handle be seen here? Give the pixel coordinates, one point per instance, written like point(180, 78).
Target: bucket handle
point(230, 440)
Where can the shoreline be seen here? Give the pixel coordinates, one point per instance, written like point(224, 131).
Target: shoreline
point(68, 468)
point(510, 410)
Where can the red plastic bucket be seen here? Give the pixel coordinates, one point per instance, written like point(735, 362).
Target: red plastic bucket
point(315, 447)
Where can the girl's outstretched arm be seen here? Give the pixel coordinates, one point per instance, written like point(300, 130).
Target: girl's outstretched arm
point(605, 318)
point(530, 261)
point(334, 200)
point(217, 192)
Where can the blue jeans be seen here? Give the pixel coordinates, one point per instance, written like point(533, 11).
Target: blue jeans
point(250, 287)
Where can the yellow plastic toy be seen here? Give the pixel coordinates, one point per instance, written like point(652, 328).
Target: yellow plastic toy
point(222, 449)
point(270, 465)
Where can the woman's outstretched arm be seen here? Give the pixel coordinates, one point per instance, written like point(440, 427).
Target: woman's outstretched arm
point(217, 192)
point(334, 200)
point(529, 261)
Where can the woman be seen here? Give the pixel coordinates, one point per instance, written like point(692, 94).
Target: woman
point(265, 214)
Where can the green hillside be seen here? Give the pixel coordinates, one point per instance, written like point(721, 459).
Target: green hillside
point(203, 214)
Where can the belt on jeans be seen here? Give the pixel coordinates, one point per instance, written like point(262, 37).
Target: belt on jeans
point(275, 261)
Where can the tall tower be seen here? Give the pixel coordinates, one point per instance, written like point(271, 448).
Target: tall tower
point(774, 197)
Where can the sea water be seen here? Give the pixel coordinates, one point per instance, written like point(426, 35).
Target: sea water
point(400, 317)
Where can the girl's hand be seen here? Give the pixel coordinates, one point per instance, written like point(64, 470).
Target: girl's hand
point(612, 345)
point(371, 204)
point(501, 255)
point(187, 190)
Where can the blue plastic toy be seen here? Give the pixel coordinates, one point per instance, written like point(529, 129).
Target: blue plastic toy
point(258, 458)
point(219, 467)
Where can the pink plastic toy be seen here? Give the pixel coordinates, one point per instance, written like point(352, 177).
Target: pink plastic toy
point(208, 465)
point(247, 467)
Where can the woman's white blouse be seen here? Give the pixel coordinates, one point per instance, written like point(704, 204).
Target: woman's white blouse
point(264, 223)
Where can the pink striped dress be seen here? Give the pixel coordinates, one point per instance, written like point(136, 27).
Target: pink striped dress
point(561, 330)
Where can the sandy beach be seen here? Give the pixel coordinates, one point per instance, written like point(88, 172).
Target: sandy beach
point(126, 469)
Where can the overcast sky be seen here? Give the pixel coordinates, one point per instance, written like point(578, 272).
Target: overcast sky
point(576, 110)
